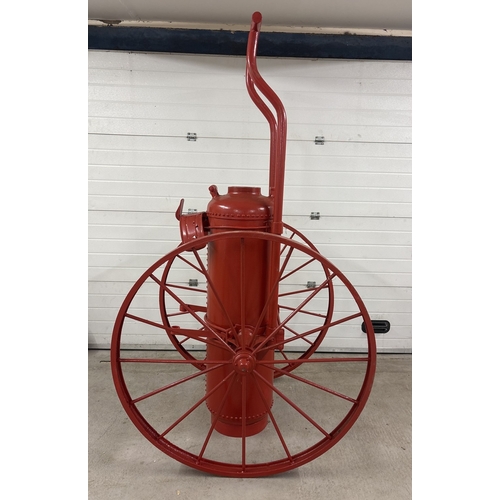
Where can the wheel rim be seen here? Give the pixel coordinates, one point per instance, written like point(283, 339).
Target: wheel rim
point(178, 341)
point(298, 430)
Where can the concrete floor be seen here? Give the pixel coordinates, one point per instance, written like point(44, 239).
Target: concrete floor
point(373, 460)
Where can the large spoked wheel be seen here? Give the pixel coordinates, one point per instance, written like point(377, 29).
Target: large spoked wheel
point(198, 274)
point(168, 397)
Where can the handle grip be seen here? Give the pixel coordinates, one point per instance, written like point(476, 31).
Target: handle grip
point(256, 21)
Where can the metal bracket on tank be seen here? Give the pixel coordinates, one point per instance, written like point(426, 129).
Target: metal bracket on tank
point(192, 226)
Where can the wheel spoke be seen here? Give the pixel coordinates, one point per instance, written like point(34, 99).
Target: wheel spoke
point(286, 260)
point(144, 320)
point(214, 420)
point(173, 361)
point(202, 400)
point(298, 269)
point(201, 335)
point(296, 336)
point(273, 420)
point(189, 334)
point(214, 291)
point(173, 384)
point(243, 421)
point(291, 238)
point(192, 307)
point(193, 334)
point(180, 257)
point(295, 292)
point(272, 291)
point(314, 360)
point(242, 293)
point(282, 353)
point(312, 384)
point(314, 330)
point(293, 405)
point(304, 312)
point(182, 287)
point(179, 313)
point(290, 316)
point(192, 313)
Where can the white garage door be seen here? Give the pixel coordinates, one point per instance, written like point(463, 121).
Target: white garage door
point(142, 106)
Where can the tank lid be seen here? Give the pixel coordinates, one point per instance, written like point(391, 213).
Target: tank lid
point(243, 189)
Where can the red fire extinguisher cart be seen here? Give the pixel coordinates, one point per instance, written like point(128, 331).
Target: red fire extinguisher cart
point(247, 389)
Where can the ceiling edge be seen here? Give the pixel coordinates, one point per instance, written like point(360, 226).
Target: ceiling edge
point(240, 27)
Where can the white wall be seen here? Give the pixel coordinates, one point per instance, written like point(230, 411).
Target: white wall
point(142, 105)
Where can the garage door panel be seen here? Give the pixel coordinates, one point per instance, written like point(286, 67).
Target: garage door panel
point(141, 107)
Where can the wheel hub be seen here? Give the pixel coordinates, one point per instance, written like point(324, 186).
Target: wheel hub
point(244, 362)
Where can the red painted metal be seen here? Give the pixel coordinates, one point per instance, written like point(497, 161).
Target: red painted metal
point(239, 274)
point(326, 311)
point(278, 124)
point(243, 369)
point(252, 324)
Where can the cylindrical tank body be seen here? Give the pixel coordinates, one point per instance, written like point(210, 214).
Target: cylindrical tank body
point(243, 208)
point(236, 298)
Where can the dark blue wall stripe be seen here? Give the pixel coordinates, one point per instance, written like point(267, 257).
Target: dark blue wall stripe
point(234, 43)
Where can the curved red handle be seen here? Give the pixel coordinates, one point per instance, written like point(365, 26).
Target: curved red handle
point(277, 125)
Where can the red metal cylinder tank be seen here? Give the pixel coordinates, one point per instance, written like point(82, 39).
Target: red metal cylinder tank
point(236, 298)
point(242, 208)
